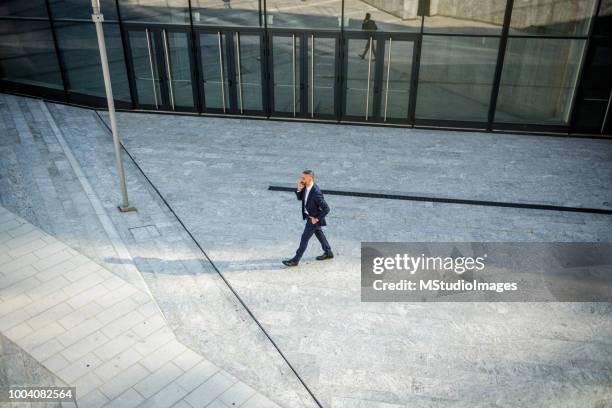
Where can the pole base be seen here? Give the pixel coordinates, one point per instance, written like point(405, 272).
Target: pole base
point(126, 209)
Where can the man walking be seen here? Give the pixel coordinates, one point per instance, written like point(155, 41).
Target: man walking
point(314, 210)
point(369, 25)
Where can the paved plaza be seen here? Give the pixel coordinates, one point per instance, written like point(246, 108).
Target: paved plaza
point(58, 192)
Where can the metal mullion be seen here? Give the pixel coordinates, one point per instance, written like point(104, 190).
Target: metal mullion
point(168, 67)
point(312, 55)
point(194, 61)
point(237, 63)
point(148, 37)
point(501, 53)
point(293, 73)
point(579, 78)
point(369, 74)
point(126, 57)
point(387, 82)
point(222, 74)
point(605, 118)
point(58, 54)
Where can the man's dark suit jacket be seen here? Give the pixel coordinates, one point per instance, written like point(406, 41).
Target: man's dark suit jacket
point(316, 205)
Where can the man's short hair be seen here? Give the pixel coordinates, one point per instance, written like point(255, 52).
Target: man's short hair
point(309, 172)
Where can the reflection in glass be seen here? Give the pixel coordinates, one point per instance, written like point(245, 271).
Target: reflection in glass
point(248, 73)
point(214, 70)
point(78, 46)
point(243, 13)
point(553, 17)
point(287, 62)
point(461, 16)
point(304, 14)
point(455, 78)
point(396, 80)
point(321, 77)
point(163, 11)
point(388, 15)
point(180, 69)
point(81, 9)
point(22, 8)
point(144, 58)
point(27, 54)
point(360, 77)
point(538, 80)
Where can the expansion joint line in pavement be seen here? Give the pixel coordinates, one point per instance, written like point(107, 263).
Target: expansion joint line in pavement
point(223, 278)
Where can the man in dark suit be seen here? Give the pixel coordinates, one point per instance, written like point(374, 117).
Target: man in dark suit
point(314, 210)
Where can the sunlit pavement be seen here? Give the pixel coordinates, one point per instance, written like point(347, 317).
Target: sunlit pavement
point(215, 172)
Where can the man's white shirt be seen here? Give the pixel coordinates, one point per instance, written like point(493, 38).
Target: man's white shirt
point(306, 198)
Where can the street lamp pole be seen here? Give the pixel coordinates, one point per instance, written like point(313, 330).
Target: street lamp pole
point(98, 18)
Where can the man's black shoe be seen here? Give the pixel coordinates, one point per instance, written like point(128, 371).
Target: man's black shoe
point(325, 256)
point(289, 262)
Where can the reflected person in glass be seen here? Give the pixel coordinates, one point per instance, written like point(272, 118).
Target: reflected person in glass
point(368, 25)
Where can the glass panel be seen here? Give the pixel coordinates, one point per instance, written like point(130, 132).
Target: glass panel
point(81, 9)
point(27, 54)
point(538, 80)
point(321, 71)
point(455, 77)
point(384, 15)
point(78, 46)
point(182, 89)
point(558, 17)
point(214, 70)
point(360, 77)
point(397, 78)
point(286, 63)
point(166, 11)
point(464, 16)
point(145, 68)
point(243, 13)
point(21, 8)
point(250, 92)
point(604, 19)
point(303, 14)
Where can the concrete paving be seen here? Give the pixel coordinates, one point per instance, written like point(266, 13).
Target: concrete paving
point(39, 183)
point(215, 172)
point(98, 332)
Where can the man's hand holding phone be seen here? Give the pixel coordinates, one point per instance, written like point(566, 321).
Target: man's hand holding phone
point(300, 186)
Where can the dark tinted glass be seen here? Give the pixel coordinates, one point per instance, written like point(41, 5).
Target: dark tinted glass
point(604, 19)
point(461, 16)
point(23, 8)
point(456, 77)
point(27, 54)
point(539, 80)
point(568, 17)
point(81, 57)
point(159, 11)
point(81, 9)
point(385, 15)
point(303, 14)
point(244, 13)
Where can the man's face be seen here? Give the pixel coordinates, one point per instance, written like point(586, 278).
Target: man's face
point(306, 179)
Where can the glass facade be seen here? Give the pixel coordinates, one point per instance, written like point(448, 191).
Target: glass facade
point(485, 17)
point(81, 59)
point(27, 54)
point(538, 80)
point(456, 77)
point(488, 64)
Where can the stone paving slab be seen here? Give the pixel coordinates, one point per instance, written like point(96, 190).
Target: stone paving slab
point(124, 359)
point(354, 354)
